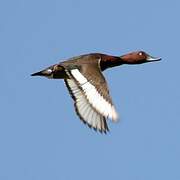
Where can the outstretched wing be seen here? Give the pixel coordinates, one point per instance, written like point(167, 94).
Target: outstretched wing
point(89, 90)
point(84, 110)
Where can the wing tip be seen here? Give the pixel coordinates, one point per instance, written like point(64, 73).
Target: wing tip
point(102, 130)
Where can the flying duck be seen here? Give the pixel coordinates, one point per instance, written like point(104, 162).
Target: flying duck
point(87, 86)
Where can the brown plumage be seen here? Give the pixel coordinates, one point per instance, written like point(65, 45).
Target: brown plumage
point(87, 85)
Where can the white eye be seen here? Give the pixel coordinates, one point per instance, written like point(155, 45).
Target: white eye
point(140, 53)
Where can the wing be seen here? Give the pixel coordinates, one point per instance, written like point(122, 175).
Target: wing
point(84, 109)
point(94, 87)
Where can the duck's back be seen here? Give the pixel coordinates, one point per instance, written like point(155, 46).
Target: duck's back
point(92, 58)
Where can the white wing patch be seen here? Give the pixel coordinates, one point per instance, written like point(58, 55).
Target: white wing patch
point(95, 99)
point(84, 109)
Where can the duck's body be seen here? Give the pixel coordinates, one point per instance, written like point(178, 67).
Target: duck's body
point(87, 85)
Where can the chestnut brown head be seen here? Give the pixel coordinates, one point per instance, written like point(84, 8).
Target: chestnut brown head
point(138, 57)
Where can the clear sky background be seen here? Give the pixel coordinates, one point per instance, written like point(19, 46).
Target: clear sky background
point(40, 135)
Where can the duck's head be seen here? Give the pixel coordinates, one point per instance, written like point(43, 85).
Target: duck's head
point(138, 57)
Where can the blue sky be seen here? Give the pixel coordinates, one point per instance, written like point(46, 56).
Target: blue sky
point(40, 135)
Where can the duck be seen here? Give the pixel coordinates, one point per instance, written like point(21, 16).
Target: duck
point(88, 87)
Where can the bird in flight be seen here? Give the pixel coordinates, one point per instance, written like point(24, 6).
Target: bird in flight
point(87, 86)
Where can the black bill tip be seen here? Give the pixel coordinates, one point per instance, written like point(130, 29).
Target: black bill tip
point(152, 59)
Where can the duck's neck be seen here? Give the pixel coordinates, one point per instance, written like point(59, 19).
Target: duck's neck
point(110, 61)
